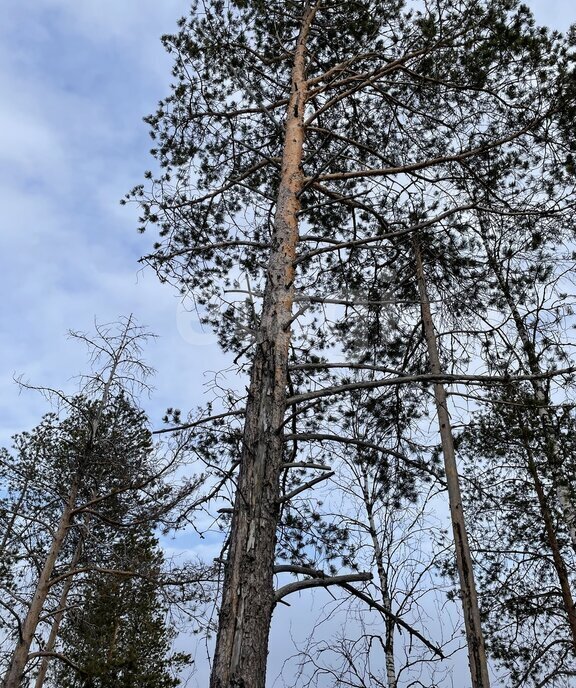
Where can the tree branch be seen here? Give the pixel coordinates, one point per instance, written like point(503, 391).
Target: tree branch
point(426, 377)
point(289, 568)
point(420, 465)
point(397, 620)
point(304, 464)
point(287, 497)
point(201, 421)
point(319, 583)
point(61, 657)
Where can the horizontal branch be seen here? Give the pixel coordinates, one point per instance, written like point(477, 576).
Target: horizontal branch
point(319, 583)
point(305, 464)
point(321, 365)
point(425, 377)
point(61, 657)
point(163, 258)
point(231, 114)
point(289, 568)
point(423, 164)
point(325, 437)
point(304, 298)
point(201, 421)
point(226, 187)
point(340, 67)
point(93, 569)
point(162, 579)
point(359, 243)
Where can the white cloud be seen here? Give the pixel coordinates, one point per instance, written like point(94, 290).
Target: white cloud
point(76, 78)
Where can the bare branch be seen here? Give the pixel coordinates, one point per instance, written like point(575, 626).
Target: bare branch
point(201, 421)
point(61, 657)
point(319, 583)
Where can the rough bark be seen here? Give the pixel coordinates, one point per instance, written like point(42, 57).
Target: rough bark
point(474, 636)
point(19, 658)
point(248, 594)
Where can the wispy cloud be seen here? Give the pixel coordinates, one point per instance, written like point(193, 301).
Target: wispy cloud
point(77, 77)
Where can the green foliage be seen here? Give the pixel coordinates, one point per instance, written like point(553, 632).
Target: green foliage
point(117, 634)
point(524, 618)
point(449, 121)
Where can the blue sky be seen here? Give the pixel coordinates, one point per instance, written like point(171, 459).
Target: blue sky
point(76, 77)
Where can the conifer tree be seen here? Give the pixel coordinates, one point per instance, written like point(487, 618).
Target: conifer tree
point(521, 541)
point(88, 464)
point(117, 633)
point(297, 143)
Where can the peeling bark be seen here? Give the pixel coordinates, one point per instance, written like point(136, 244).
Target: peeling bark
point(248, 594)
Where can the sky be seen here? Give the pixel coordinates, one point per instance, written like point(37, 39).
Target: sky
point(77, 76)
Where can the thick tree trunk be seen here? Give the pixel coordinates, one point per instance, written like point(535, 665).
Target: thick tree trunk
point(58, 616)
point(474, 635)
point(17, 665)
point(248, 594)
point(554, 454)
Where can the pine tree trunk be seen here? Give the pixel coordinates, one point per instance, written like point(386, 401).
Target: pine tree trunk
point(553, 452)
point(474, 635)
point(248, 594)
point(19, 658)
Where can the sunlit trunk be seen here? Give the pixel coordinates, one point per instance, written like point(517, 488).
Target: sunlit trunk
point(248, 595)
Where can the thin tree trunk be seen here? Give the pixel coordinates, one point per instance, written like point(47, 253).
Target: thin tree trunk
point(474, 635)
point(553, 451)
point(248, 594)
point(390, 626)
point(58, 616)
point(557, 558)
point(19, 658)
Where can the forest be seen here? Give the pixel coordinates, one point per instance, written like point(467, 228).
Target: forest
point(372, 205)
